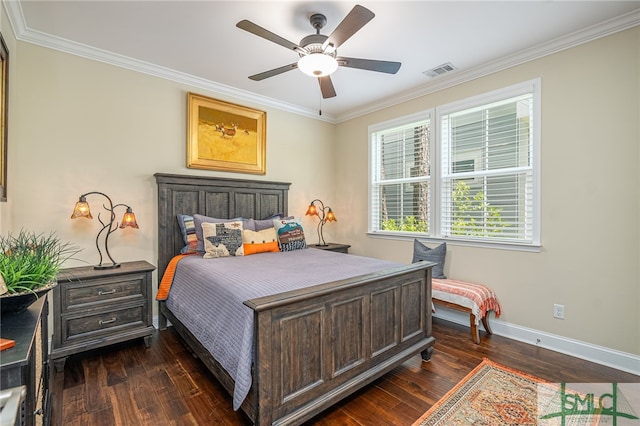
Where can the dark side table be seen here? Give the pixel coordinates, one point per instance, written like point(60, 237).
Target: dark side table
point(94, 308)
point(27, 363)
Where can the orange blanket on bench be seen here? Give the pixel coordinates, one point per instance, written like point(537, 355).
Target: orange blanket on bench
point(480, 299)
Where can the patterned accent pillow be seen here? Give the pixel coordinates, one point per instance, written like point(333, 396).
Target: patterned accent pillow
point(222, 239)
point(200, 219)
point(435, 255)
point(260, 242)
point(290, 234)
point(188, 228)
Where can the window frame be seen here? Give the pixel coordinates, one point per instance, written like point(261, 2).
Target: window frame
point(435, 234)
point(386, 125)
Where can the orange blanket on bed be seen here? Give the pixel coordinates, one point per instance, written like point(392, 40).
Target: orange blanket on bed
point(167, 278)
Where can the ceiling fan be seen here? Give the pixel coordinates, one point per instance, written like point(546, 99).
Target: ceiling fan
point(318, 53)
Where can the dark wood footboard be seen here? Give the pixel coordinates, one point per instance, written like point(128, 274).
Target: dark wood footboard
point(314, 348)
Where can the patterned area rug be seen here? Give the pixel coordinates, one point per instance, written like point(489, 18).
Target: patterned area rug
point(493, 394)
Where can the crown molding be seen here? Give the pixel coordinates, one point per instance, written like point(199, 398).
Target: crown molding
point(15, 15)
point(603, 29)
point(25, 34)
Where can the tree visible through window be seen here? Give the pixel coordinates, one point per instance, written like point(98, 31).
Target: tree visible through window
point(402, 175)
point(479, 170)
point(489, 200)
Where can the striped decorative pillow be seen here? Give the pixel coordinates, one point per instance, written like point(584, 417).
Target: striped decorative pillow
point(188, 228)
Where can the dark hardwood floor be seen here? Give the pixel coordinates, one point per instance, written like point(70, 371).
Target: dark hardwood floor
point(128, 384)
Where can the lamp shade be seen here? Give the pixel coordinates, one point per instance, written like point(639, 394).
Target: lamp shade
point(317, 64)
point(129, 220)
point(81, 209)
point(330, 217)
point(311, 210)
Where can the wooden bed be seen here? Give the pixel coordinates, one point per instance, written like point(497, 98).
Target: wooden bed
point(347, 333)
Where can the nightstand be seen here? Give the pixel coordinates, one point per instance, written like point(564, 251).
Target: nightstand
point(338, 248)
point(94, 308)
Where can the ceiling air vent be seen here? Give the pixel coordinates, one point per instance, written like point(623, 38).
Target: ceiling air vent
point(439, 70)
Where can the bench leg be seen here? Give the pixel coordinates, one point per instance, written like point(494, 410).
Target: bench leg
point(485, 322)
point(475, 333)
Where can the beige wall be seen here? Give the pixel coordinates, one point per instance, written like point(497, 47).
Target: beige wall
point(82, 126)
point(79, 125)
point(590, 196)
point(9, 39)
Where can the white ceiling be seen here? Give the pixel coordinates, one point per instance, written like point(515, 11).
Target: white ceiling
point(199, 44)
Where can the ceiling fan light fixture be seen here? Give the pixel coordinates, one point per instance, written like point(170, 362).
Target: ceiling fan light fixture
point(318, 64)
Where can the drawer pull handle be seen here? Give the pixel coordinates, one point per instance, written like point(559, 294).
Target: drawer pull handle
point(112, 320)
point(104, 293)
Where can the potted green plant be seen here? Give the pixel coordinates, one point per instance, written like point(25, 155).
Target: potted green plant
point(29, 263)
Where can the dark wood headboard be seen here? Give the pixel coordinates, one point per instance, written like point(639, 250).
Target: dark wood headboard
point(211, 196)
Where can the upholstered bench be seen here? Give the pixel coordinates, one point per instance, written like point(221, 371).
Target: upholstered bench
point(475, 299)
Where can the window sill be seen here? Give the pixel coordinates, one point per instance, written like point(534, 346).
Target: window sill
point(406, 236)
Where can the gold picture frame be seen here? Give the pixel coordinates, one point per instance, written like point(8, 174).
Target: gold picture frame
point(225, 136)
point(4, 105)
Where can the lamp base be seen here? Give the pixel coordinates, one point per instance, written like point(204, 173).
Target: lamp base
point(321, 245)
point(112, 266)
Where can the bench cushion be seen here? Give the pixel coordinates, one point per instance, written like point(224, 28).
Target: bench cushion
point(477, 297)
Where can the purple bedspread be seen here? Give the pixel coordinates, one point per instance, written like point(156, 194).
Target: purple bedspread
point(207, 296)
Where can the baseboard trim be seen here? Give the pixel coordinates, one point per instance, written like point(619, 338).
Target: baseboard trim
point(600, 355)
point(583, 350)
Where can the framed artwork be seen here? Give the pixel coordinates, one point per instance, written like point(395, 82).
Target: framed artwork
point(225, 136)
point(4, 104)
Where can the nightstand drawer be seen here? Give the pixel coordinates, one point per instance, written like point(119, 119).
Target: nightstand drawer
point(92, 326)
point(78, 295)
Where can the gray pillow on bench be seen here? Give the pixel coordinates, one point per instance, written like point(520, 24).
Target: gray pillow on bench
point(435, 255)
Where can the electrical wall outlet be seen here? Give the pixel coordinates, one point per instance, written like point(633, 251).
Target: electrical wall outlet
point(558, 311)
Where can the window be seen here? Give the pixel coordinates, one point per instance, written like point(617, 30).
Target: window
point(401, 175)
point(474, 181)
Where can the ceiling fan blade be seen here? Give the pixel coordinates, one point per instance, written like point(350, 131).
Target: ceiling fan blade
point(266, 34)
point(370, 64)
point(326, 87)
point(356, 19)
point(274, 72)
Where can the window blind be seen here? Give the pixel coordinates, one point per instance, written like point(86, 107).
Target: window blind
point(401, 177)
point(487, 175)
